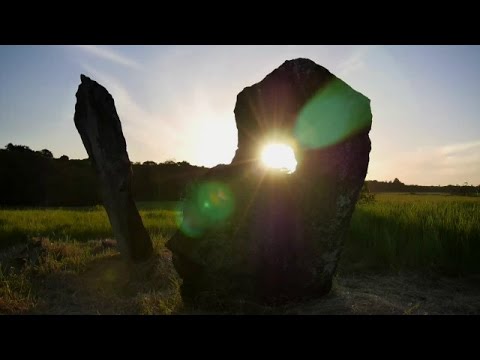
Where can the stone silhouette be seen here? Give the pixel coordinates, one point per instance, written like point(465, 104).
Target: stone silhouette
point(266, 236)
point(99, 126)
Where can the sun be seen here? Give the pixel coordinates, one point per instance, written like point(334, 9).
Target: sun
point(279, 156)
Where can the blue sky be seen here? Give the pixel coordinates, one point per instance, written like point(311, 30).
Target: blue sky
point(176, 102)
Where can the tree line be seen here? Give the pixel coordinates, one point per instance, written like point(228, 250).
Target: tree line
point(37, 178)
point(396, 185)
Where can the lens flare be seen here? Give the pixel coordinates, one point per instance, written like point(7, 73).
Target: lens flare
point(335, 113)
point(207, 205)
point(279, 156)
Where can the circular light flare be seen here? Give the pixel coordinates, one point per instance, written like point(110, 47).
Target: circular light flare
point(280, 157)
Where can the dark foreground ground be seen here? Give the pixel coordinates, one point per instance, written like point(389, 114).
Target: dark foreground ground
point(103, 287)
point(69, 269)
point(407, 294)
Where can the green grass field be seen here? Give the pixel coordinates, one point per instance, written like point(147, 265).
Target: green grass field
point(423, 233)
point(79, 224)
point(435, 232)
point(428, 232)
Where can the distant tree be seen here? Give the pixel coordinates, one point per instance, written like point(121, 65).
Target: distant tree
point(397, 185)
point(47, 153)
point(467, 189)
point(149, 162)
point(397, 182)
point(64, 158)
point(19, 148)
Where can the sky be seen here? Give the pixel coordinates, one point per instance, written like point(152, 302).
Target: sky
point(176, 102)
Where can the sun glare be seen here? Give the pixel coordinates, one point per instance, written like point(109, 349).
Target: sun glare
point(279, 156)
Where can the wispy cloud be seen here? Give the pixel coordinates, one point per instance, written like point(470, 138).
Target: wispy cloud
point(142, 129)
point(356, 61)
point(450, 164)
point(461, 148)
point(108, 54)
point(200, 133)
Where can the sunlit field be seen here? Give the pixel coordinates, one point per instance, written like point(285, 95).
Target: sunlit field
point(79, 224)
point(426, 234)
point(403, 231)
point(397, 231)
point(77, 257)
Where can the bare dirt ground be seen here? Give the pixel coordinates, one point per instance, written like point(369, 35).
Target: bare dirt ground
point(47, 280)
point(103, 289)
point(402, 294)
point(107, 287)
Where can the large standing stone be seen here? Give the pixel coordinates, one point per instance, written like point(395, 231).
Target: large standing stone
point(261, 235)
point(99, 126)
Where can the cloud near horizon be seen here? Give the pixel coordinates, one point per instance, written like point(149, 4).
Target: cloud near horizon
point(108, 54)
point(454, 164)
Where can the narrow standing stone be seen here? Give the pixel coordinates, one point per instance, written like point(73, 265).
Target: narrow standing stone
point(99, 126)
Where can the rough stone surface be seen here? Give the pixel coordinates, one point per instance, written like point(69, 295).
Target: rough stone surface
point(283, 238)
point(99, 126)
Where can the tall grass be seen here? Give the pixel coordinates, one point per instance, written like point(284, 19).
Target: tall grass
point(17, 226)
point(430, 232)
point(398, 231)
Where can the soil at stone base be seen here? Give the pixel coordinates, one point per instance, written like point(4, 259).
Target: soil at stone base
point(104, 289)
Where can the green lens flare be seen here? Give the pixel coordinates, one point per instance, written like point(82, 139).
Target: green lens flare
point(188, 221)
point(207, 205)
point(333, 114)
